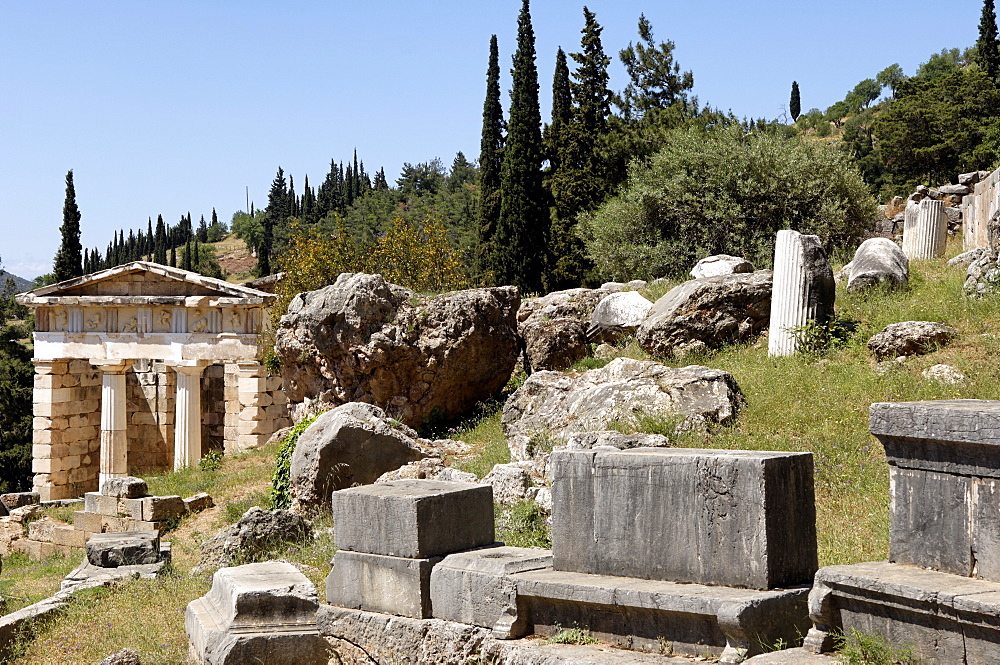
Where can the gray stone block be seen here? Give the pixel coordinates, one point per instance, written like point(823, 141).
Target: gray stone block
point(161, 508)
point(930, 521)
point(476, 587)
point(125, 487)
point(257, 613)
point(379, 583)
point(110, 550)
point(733, 518)
point(414, 519)
point(692, 619)
point(99, 504)
point(944, 618)
point(18, 499)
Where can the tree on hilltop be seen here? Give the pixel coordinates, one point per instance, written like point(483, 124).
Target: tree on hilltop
point(69, 257)
point(987, 47)
point(794, 103)
point(522, 227)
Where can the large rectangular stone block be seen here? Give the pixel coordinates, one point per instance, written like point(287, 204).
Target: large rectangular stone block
point(377, 583)
point(416, 519)
point(931, 521)
point(734, 518)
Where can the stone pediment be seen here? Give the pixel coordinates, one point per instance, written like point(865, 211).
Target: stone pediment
point(142, 281)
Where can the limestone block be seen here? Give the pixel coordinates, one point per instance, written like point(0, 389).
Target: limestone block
point(378, 583)
point(44, 465)
point(68, 536)
point(82, 474)
point(99, 504)
point(252, 385)
point(133, 509)
point(413, 518)
point(37, 550)
point(260, 612)
point(476, 587)
point(613, 512)
point(110, 550)
point(87, 522)
point(46, 437)
point(18, 499)
point(162, 508)
point(125, 487)
point(199, 502)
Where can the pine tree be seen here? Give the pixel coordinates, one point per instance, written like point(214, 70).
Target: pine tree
point(794, 103)
point(69, 259)
point(203, 229)
point(656, 80)
point(987, 48)
point(380, 184)
point(490, 162)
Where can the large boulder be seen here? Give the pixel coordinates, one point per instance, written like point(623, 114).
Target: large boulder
point(257, 532)
point(363, 339)
point(720, 264)
point(576, 304)
point(618, 315)
point(551, 406)
point(354, 443)
point(910, 338)
point(710, 310)
point(554, 344)
point(878, 261)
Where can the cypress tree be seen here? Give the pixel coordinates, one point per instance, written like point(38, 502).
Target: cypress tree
point(555, 135)
point(490, 162)
point(795, 104)
point(69, 258)
point(522, 226)
point(150, 240)
point(186, 263)
point(160, 242)
point(173, 256)
point(987, 48)
point(203, 229)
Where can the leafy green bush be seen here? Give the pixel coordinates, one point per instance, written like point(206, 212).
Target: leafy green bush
point(725, 191)
point(281, 480)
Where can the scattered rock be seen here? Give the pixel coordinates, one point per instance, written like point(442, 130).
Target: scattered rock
point(983, 274)
point(606, 351)
point(18, 499)
point(617, 316)
point(257, 531)
point(966, 258)
point(878, 261)
point(550, 406)
point(957, 190)
point(896, 206)
point(945, 374)
point(720, 264)
point(363, 339)
point(576, 304)
point(430, 468)
point(510, 482)
point(615, 439)
point(972, 179)
point(712, 310)
point(199, 502)
point(354, 443)
point(123, 657)
point(555, 344)
point(130, 548)
point(125, 487)
point(910, 338)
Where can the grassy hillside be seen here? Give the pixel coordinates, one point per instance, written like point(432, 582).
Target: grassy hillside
point(807, 403)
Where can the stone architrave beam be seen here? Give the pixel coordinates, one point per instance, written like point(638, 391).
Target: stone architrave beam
point(114, 444)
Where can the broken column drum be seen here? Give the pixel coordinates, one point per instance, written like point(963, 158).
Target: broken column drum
point(925, 230)
point(119, 356)
point(804, 290)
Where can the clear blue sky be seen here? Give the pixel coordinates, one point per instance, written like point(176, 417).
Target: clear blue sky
point(165, 108)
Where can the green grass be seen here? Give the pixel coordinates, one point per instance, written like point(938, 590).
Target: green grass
point(859, 648)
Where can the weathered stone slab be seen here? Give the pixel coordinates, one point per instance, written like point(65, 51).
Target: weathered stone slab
point(110, 550)
point(476, 587)
point(162, 508)
point(417, 519)
point(125, 487)
point(18, 499)
point(695, 619)
point(944, 618)
point(685, 515)
point(100, 504)
point(199, 502)
point(931, 521)
point(256, 613)
point(378, 583)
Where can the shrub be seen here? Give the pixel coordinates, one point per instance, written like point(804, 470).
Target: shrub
point(725, 191)
point(281, 480)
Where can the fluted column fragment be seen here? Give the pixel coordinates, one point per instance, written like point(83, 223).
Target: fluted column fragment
point(804, 289)
point(925, 230)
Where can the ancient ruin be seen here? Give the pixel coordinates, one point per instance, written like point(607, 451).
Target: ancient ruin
point(144, 367)
point(925, 229)
point(803, 291)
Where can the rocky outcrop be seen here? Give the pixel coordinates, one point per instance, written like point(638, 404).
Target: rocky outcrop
point(550, 406)
point(983, 274)
point(554, 344)
point(910, 338)
point(711, 310)
point(878, 261)
point(257, 531)
point(363, 339)
point(720, 264)
point(617, 316)
point(354, 443)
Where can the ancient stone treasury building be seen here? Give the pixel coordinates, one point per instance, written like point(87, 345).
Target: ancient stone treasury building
point(144, 367)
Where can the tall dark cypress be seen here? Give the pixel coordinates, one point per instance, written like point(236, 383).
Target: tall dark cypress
point(490, 162)
point(150, 240)
point(555, 135)
point(69, 258)
point(987, 48)
point(160, 242)
point(173, 256)
point(277, 213)
point(522, 227)
point(794, 103)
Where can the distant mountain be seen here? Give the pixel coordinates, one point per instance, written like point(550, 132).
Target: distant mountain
point(21, 283)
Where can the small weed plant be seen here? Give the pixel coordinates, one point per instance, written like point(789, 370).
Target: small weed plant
point(574, 635)
point(857, 648)
point(523, 524)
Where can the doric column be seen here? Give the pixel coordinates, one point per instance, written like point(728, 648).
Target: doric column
point(187, 421)
point(925, 230)
point(803, 289)
point(114, 444)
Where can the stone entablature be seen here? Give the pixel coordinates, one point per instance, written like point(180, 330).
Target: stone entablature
point(163, 327)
